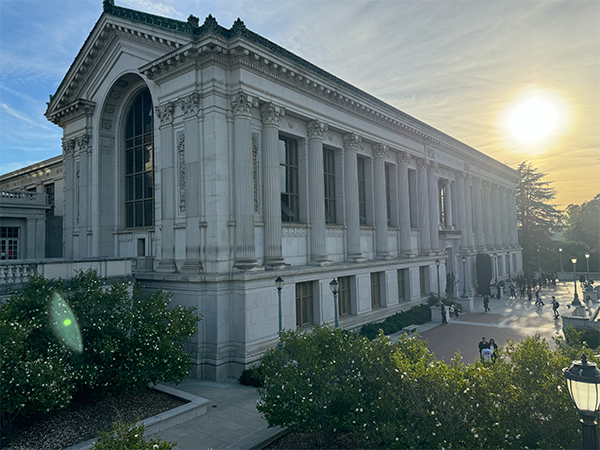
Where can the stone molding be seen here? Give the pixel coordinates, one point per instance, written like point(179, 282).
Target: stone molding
point(181, 169)
point(334, 232)
point(351, 141)
point(255, 169)
point(294, 231)
point(380, 151)
point(165, 113)
point(316, 129)
point(366, 233)
point(242, 104)
point(271, 114)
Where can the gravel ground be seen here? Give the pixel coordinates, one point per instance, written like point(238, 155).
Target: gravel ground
point(82, 421)
point(304, 441)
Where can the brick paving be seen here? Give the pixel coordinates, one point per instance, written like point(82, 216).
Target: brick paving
point(508, 319)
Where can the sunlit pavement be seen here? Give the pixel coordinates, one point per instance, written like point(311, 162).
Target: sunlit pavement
point(508, 319)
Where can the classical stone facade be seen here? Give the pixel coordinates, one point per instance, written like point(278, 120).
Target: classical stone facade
point(222, 161)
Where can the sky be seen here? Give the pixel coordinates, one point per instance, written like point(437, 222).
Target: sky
point(518, 80)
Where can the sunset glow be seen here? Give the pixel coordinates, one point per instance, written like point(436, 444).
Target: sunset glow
point(533, 120)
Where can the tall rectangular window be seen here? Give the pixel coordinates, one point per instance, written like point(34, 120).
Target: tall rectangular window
point(402, 274)
point(304, 304)
point(9, 243)
point(442, 205)
point(288, 161)
point(388, 200)
point(423, 280)
point(329, 174)
point(49, 190)
point(376, 289)
point(344, 296)
point(362, 196)
point(412, 198)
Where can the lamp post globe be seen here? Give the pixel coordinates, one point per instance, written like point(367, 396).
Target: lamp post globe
point(589, 285)
point(439, 299)
point(583, 383)
point(464, 294)
point(279, 285)
point(335, 287)
point(576, 303)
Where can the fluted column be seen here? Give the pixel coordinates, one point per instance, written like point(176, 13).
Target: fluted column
point(167, 186)
point(462, 210)
point(448, 205)
point(242, 105)
point(477, 205)
point(487, 205)
point(380, 152)
point(271, 115)
point(316, 204)
point(69, 214)
point(422, 194)
point(351, 142)
point(434, 211)
point(495, 218)
point(505, 218)
point(469, 209)
point(404, 201)
point(513, 218)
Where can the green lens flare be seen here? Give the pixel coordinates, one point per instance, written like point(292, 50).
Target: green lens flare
point(64, 324)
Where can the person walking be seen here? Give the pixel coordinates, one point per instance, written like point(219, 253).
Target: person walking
point(444, 320)
point(486, 303)
point(512, 291)
point(493, 348)
point(482, 346)
point(538, 298)
point(555, 306)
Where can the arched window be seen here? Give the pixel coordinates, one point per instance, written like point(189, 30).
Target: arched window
point(139, 163)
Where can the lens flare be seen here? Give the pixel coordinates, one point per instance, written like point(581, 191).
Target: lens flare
point(64, 324)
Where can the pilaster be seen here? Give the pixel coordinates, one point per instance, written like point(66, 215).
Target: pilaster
point(496, 220)
point(380, 152)
point(462, 210)
point(448, 207)
point(487, 205)
point(434, 212)
point(477, 205)
point(351, 142)
point(469, 210)
point(423, 197)
point(404, 201)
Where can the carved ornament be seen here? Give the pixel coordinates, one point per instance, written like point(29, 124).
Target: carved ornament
point(271, 114)
point(403, 158)
point(181, 162)
point(242, 104)
point(165, 113)
point(190, 105)
point(422, 164)
point(380, 151)
point(351, 141)
point(316, 129)
point(68, 147)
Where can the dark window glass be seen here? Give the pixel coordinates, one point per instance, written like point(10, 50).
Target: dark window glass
point(362, 203)
point(329, 174)
point(442, 205)
point(49, 190)
point(9, 243)
point(139, 163)
point(344, 296)
point(289, 180)
point(423, 280)
point(388, 201)
point(375, 290)
point(304, 304)
point(402, 284)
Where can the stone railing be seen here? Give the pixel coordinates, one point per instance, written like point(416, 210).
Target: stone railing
point(16, 273)
point(22, 197)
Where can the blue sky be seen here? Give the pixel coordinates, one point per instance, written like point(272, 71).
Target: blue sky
point(461, 66)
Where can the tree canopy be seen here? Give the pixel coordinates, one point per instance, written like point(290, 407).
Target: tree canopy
point(582, 231)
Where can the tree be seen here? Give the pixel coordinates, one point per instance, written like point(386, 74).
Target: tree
point(537, 218)
point(582, 227)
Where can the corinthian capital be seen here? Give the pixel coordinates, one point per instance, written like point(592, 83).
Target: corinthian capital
point(165, 113)
point(242, 104)
point(351, 141)
point(190, 105)
point(68, 147)
point(432, 166)
point(83, 142)
point(403, 158)
point(422, 164)
point(380, 151)
point(477, 183)
point(271, 114)
point(316, 129)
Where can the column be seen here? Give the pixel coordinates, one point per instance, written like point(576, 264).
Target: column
point(69, 213)
point(487, 216)
point(380, 152)
point(271, 115)
point(351, 142)
point(505, 218)
point(404, 201)
point(316, 189)
point(462, 210)
point(478, 212)
point(495, 219)
point(189, 170)
point(423, 205)
point(469, 209)
point(434, 201)
point(513, 218)
point(82, 195)
point(242, 105)
point(167, 183)
point(448, 205)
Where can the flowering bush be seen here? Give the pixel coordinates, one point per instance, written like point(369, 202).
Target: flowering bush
point(129, 437)
point(127, 340)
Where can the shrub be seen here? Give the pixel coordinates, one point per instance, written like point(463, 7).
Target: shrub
point(128, 340)
point(129, 437)
point(251, 377)
point(577, 336)
point(416, 315)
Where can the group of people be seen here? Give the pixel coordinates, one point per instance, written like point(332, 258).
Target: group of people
point(452, 310)
point(487, 350)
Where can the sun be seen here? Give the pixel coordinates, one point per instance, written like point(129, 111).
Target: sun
point(533, 120)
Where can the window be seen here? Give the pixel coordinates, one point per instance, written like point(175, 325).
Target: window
point(49, 190)
point(304, 304)
point(388, 201)
point(402, 278)
point(375, 290)
point(442, 205)
point(329, 173)
point(32, 189)
point(9, 243)
point(344, 296)
point(139, 163)
point(288, 161)
point(423, 280)
point(412, 198)
point(362, 202)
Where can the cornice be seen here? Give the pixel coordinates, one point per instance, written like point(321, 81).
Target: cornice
point(72, 111)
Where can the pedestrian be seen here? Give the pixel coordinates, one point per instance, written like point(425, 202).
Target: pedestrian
point(482, 346)
point(444, 321)
point(486, 303)
point(498, 291)
point(493, 348)
point(529, 293)
point(523, 288)
point(512, 291)
point(589, 304)
point(538, 298)
point(456, 311)
point(555, 306)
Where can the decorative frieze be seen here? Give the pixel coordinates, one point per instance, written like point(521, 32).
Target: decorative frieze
point(366, 233)
point(334, 232)
point(125, 237)
point(294, 231)
point(181, 162)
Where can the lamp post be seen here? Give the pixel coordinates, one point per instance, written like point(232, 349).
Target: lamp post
point(583, 379)
point(437, 266)
point(560, 253)
point(589, 285)
point(496, 268)
point(508, 263)
point(279, 286)
point(335, 287)
point(576, 303)
point(539, 269)
point(464, 294)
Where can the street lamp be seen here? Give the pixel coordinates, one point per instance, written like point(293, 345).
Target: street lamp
point(539, 269)
point(560, 253)
point(335, 287)
point(279, 286)
point(589, 285)
point(496, 267)
point(464, 294)
point(437, 266)
point(508, 263)
point(575, 301)
point(583, 379)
